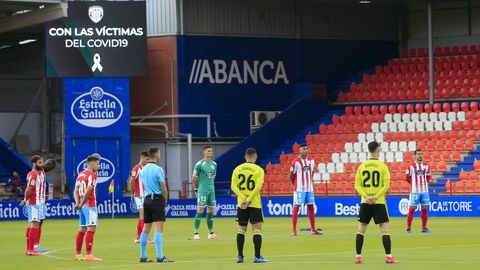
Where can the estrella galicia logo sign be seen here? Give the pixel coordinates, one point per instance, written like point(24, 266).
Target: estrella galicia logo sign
point(105, 171)
point(133, 206)
point(25, 211)
point(97, 108)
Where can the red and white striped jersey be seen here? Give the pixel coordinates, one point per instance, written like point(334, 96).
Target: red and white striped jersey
point(135, 174)
point(303, 170)
point(86, 179)
point(418, 175)
point(36, 179)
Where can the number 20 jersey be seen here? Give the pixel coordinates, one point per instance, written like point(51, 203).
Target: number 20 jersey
point(373, 177)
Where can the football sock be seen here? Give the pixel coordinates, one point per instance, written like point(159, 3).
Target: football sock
point(359, 242)
point(32, 237)
point(37, 242)
point(411, 212)
point(27, 232)
point(79, 242)
point(143, 244)
point(240, 242)
point(198, 218)
point(257, 242)
point(387, 244)
point(158, 238)
point(89, 242)
point(295, 210)
point(424, 215)
point(311, 216)
point(210, 222)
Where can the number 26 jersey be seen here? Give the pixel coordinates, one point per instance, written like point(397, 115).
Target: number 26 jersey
point(247, 181)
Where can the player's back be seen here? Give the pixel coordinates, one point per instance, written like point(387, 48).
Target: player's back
point(248, 177)
point(138, 185)
point(372, 176)
point(85, 179)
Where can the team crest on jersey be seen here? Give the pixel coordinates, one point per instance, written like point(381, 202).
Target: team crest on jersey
point(105, 171)
point(306, 168)
point(96, 108)
point(420, 172)
point(210, 174)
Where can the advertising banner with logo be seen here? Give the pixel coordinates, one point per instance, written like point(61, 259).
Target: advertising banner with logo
point(462, 206)
point(97, 122)
point(98, 39)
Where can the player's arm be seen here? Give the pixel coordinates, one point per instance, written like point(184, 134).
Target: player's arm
point(292, 172)
point(163, 183)
point(86, 196)
point(195, 176)
point(258, 186)
point(76, 196)
point(386, 183)
point(28, 192)
point(408, 175)
point(358, 183)
point(131, 182)
point(429, 175)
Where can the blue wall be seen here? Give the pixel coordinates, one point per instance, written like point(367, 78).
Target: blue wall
point(318, 61)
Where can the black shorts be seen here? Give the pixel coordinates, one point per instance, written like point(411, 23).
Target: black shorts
point(154, 210)
point(254, 215)
point(378, 212)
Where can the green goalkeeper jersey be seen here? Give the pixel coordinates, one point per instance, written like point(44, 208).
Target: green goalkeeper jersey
point(206, 172)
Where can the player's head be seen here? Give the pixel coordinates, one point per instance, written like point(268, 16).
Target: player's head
point(207, 152)
point(251, 155)
point(37, 162)
point(374, 149)
point(418, 155)
point(154, 154)
point(93, 162)
point(144, 158)
point(304, 149)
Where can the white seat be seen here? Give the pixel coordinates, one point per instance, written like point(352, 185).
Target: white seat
point(335, 157)
point(402, 127)
point(394, 146)
point(461, 116)
point(383, 127)
point(379, 137)
point(331, 167)
point(424, 117)
point(452, 116)
point(325, 177)
point(411, 126)
point(384, 146)
point(370, 137)
point(388, 118)
point(398, 157)
point(365, 147)
point(397, 118)
point(447, 125)
point(392, 127)
point(406, 117)
point(353, 157)
point(420, 126)
point(317, 177)
point(375, 127)
point(357, 147)
point(438, 126)
point(340, 167)
point(402, 146)
point(362, 157)
point(361, 137)
point(415, 117)
point(389, 157)
point(412, 146)
point(344, 157)
point(429, 126)
point(442, 116)
point(349, 147)
point(322, 167)
point(433, 117)
point(381, 157)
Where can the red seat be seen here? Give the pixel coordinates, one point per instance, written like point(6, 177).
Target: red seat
point(458, 145)
point(464, 175)
point(296, 148)
point(437, 156)
point(455, 107)
point(401, 107)
point(472, 49)
point(322, 128)
point(442, 166)
point(476, 165)
point(283, 157)
point(410, 108)
point(277, 169)
point(469, 145)
point(464, 106)
point(392, 109)
point(349, 110)
point(403, 53)
point(269, 168)
point(428, 108)
point(446, 156)
point(474, 106)
point(456, 156)
point(446, 107)
point(473, 176)
point(375, 110)
point(357, 110)
point(366, 110)
point(437, 107)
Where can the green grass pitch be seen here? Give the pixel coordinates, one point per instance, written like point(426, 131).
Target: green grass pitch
point(454, 244)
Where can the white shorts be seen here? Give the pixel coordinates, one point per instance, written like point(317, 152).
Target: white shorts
point(139, 202)
point(88, 216)
point(33, 212)
point(301, 198)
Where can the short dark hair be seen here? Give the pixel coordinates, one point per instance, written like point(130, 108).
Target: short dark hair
point(418, 150)
point(144, 154)
point(93, 158)
point(303, 145)
point(207, 147)
point(35, 158)
point(152, 151)
point(372, 146)
point(250, 151)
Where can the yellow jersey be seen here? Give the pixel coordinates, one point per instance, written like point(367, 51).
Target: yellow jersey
point(373, 179)
point(247, 181)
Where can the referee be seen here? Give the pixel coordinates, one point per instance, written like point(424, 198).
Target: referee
point(156, 195)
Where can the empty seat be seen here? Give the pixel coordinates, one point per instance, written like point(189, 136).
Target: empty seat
point(335, 158)
point(393, 147)
point(412, 146)
point(353, 157)
point(398, 157)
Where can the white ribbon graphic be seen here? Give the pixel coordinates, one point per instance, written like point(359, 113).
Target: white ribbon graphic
point(96, 63)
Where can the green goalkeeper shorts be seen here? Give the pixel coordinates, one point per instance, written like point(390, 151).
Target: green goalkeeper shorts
point(206, 198)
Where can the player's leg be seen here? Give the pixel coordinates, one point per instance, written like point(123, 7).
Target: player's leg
point(27, 232)
point(139, 205)
point(34, 219)
point(158, 221)
point(148, 209)
point(82, 230)
point(256, 218)
point(201, 204)
point(310, 201)
point(242, 219)
point(42, 215)
point(211, 204)
point(364, 217)
point(91, 229)
point(425, 202)
point(414, 199)
point(380, 216)
point(298, 200)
